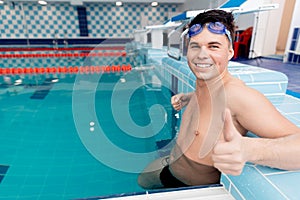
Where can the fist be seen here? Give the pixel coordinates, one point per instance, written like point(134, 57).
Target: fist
point(179, 101)
point(228, 153)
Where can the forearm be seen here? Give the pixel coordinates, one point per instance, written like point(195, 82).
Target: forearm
point(282, 153)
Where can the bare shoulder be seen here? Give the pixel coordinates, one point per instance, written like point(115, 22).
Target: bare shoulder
point(242, 98)
point(238, 92)
point(254, 112)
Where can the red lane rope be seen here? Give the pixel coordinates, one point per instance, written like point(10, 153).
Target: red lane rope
point(51, 55)
point(55, 70)
point(60, 48)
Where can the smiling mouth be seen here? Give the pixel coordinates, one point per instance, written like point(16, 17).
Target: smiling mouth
point(203, 65)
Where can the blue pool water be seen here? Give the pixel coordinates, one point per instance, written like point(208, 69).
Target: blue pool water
point(67, 136)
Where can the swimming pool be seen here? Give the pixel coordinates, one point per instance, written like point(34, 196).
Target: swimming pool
point(81, 133)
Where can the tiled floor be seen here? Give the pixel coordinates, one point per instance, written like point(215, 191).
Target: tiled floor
point(291, 70)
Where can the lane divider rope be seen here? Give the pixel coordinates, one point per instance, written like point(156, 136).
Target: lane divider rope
point(61, 48)
point(56, 55)
point(75, 69)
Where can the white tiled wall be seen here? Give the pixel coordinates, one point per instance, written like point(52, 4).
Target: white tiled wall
point(60, 19)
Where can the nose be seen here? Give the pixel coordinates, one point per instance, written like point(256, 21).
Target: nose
point(202, 54)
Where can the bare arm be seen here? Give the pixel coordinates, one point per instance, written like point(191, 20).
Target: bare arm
point(277, 145)
point(232, 152)
point(282, 153)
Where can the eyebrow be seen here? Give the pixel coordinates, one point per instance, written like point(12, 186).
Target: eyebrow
point(193, 43)
point(215, 42)
point(210, 43)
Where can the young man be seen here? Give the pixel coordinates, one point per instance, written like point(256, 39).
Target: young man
point(218, 114)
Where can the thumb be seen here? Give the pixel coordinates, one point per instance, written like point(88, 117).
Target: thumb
point(229, 127)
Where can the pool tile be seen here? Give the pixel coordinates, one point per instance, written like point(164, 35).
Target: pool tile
point(255, 186)
point(287, 183)
point(291, 70)
point(235, 193)
point(225, 181)
point(268, 170)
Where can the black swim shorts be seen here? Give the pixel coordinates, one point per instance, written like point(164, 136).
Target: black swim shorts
point(168, 180)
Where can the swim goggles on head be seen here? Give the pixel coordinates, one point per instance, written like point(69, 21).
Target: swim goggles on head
point(214, 27)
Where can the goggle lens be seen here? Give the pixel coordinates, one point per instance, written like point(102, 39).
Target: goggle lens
point(214, 27)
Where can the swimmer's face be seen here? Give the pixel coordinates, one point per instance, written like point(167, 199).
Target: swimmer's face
point(208, 54)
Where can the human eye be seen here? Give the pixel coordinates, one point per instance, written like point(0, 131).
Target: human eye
point(194, 46)
point(214, 45)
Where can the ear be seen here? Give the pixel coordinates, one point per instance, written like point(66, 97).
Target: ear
point(230, 52)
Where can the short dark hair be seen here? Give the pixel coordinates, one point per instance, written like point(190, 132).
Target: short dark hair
point(216, 15)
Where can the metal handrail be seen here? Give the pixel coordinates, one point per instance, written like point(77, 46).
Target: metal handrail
point(181, 44)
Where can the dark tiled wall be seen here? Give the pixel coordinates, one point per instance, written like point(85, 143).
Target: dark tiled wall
point(82, 20)
point(294, 57)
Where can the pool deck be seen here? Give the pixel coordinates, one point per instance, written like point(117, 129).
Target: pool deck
point(256, 181)
point(216, 192)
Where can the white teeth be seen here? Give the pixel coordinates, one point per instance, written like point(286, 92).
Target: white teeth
point(203, 65)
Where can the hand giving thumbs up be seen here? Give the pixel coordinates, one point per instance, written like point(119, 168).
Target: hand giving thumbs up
point(228, 155)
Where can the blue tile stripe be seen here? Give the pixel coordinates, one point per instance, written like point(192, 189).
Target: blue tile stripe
point(292, 93)
point(42, 91)
point(179, 17)
point(82, 20)
point(3, 171)
point(233, 3)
